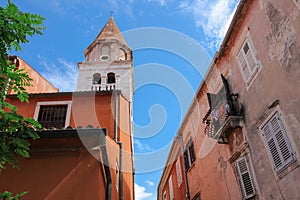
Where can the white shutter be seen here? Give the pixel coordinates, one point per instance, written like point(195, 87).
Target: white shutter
point(250, 57)
point(245, 179)
point(171, 188)
point(247, 60)
point(277, 142)
point(178, 172)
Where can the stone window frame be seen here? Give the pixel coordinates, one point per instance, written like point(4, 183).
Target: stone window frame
point(68, 114)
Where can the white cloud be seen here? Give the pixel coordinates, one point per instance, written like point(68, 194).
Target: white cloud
point(62, 75)
point(141, 146)
point(150, 183)
point(213, 16)
point(140, 192)
point(161, 2)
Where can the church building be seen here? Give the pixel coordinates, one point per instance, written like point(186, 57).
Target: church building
point(85, 150)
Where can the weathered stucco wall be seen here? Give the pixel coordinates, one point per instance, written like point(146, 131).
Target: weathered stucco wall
point(272, 27)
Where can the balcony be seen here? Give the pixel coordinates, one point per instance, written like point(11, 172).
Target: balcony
point(225, 114)
point(104, 87)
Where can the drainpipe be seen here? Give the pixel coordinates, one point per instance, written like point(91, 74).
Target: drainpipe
point(116, 133)
point(121, 171)
point(179, 137)
point(116, 114)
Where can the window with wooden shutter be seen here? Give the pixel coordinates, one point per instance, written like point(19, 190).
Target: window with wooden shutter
point(247, 61)
point(171, 188)
point(245, 179)
point(186, 160)
point(192, 152)
point(178, 172)
point(277, 143)
point(189, 155)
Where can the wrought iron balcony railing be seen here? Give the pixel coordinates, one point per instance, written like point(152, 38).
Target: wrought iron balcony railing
point(225, 114)
point(222, 120)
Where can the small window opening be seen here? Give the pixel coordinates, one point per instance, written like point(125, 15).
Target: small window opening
point(123, 55)
point(97, 78)
point(111, 78)
point(105, 51)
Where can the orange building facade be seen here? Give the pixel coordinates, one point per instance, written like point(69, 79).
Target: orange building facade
point(85, 146)
point(39, 83)
point(239, 138)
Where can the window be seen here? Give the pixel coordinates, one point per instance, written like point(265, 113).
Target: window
point(277, 143)
point(248, 63)
point(97, 78)
point(165, 195)
point(54, 114)
point(105, 51)
point(178, 172)
point(189, 155)
point(171, 188)
point(245, 179)
point(111, 78)
point(123, 55)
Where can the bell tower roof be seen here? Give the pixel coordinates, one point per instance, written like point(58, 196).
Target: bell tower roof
point(109, 31)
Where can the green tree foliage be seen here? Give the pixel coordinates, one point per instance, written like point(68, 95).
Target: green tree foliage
point(15, 130)
point(8, 196)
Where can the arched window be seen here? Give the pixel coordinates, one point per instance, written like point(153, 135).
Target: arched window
point(105, 52)
point(97, 78)
point(122, 55)
point(111, 78)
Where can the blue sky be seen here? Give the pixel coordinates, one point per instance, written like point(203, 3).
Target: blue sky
point(159, 106)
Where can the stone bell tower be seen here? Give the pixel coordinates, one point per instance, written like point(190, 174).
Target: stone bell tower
point(108, 63)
